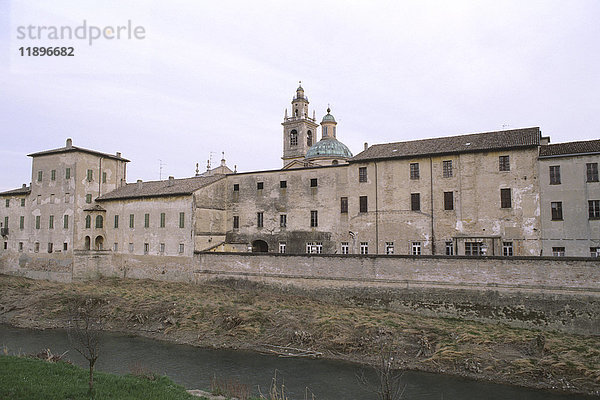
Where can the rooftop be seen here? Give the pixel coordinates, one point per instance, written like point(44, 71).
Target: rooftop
point(569, 148)
point(70, 148)
point(476, 142)
point(22, 190)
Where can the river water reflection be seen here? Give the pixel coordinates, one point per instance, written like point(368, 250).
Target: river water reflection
point(193, 368)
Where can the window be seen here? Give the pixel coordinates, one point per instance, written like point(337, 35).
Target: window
point(344, 205)
point(116, 224)
point(236, 187)
point(447, 169)
point(53, 175)
point(99, 222)
point(345, 248)
point(362, 174)
point(236, 222)
point(65, 222)
point(594, 209)
point(67, 197)
point(104, 177)
point(313, 182)
point(21, 222)
point(283, 220)
point(363, 205)
point(415, 201)
point(415, 248)
point(282, 247)
point(314, 247)
point(594, 251)
point(22, 202)
point(5, 245)
point(259, 219)
point(448, 200)
point(21, 247)
point(39, 199)
point(162, 220)
point(414, 171)
point(558, 251)
point(52, 198)
point(507, 249)
point(389, 247)
point(146, 220)
point(364, 247)
point(36, 247)
point(88, 198)
point(88, 222)
point(449, 248)
point(555, 174)
point(115, 247)
point(260, 185)
point(131, 247)
point(505, 198)
point(282, 184)
point(6, 222)
point(182, 220)
point(131, 220)
point(504, 163)
point(40, 173)
point(293, 138)
point(309, 140)
point(37, 222)
point(68, 173)
point(146, 248)
point(162, 248)
point(473, 249)
point(65, 246)
point(324, 129)
point(314, 219)
point(181, 248)
point(7, 202)
point(592, 172)
point(90, 175)
point(50, 247)
point(556, 207)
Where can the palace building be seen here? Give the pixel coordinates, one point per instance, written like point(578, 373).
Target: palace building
point(502, 193)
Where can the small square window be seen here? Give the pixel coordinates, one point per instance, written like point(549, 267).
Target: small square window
point(345, 247)
point(236, 187)
point(20, 246)
point(282, 246)
point(364, 247)
point(507, 249)
point(594, 251)
point(416, 248)
point(282, 184)
point(389, 248)
point(313, 182)
point(88, 198)
point(260, 185)
point(558, 251)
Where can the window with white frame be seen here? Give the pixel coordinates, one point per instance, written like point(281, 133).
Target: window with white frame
point(389, 247)
point(473, 249)
point(345, 248)
point(558, 251)
point(314, 247)
point(415, 248)
point(449, 248)
point(507, 249)
point(594, 251)
point(364, 247)
point(282, 247)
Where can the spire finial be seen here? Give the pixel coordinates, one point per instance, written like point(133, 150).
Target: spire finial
point(328, 108)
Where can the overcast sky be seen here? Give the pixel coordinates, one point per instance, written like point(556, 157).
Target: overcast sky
point(213, 76)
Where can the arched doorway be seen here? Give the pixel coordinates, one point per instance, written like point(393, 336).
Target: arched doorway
point(99, 243)
point(87, 244)
point(260, 246)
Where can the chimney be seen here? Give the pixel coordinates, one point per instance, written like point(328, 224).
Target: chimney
point(139, 184)
point(119, 154)
point(69, 143)
point(171, 181)
point(366, 145)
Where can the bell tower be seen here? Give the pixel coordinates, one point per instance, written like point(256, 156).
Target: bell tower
point(299, 130)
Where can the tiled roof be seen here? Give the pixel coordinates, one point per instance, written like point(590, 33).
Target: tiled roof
point(558, 149)
point(499, 140)
point(21, 190)
point(179, 187)
point(75, 148)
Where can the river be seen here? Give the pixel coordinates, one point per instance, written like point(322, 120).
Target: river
point(193, 368)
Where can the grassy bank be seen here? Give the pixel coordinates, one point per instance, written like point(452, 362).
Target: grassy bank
point(27, 378)
point(245, 316)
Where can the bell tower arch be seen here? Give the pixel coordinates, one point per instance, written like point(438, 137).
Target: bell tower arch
point(299, 129)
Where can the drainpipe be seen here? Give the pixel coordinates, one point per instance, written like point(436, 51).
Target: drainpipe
point(100, 177)
point(376, 213)
point(431, 201)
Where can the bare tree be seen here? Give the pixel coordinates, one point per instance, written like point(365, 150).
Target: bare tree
point(389, 375)
point(83, 331)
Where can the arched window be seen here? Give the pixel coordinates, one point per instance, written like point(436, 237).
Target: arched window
point(296, 112)
point(293, 138)
point(324, 131)
point(87, 242)
point(88, 221)
point(99, 221)
point(309, 138)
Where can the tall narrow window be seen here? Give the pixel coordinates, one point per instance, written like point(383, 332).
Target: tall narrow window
point(389, 248)
point(68, 173)
point(592, 172)
point(259, 219)
point(7, 202)
point(22, 202)
point(555, 174)
point(104, 177)
point(182, 220)
point(314, 219)
point(131, 220)
point(146, 248)
point(21, 222)
point(146, 220)
point(362, 174)
point(594, 209)
point(283, 220)
point(99, 222)
point(504, 163)
point(181, 248)
point(447, 169)
point(88, 222)
point(40, 173)
point(88, 198)
point(90, 175)
point(50, 247)
point(65, 246)
point(448, 200)
point(414, 171)
point(344, 205)
point(236, 222)
point(6, 222)
point(505, 198)
point(162, 248)
point(449, 248)
point(309, 139)
point(364, 247)
point(294, 138)
point(282, 246)
point(363, 204)
point(415, 201)
point(53, 175)
point(37, 222)
point(116, 224)
point(65, 222)
point(556, 207)
point(345, 247)
point(162, 220)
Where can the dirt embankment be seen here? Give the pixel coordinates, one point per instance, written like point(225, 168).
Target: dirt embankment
point(241, 315)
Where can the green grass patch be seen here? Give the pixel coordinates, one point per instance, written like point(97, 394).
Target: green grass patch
point(27, 378)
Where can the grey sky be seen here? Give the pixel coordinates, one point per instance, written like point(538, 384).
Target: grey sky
point(217, 76)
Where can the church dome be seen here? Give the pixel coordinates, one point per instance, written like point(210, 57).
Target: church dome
point(329, 148)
